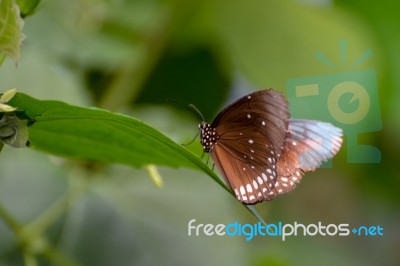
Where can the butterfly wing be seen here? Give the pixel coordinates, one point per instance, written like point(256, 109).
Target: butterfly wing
point(248, 167)
point(259, 153)
point(319, 141)
point(265, 112)
point(308, 144)
point(251, 135)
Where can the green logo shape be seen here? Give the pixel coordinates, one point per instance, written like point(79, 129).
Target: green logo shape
point(346, 99)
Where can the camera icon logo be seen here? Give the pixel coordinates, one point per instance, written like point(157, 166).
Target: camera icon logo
point(346, 99)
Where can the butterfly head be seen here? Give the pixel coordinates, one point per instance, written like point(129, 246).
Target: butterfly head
point(208, 136)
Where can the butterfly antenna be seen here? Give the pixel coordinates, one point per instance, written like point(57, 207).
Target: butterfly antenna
point(191, 107)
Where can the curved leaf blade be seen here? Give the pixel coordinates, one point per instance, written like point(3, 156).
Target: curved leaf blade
point(100, 135)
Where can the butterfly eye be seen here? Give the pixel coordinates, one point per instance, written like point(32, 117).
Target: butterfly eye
point(261, 152)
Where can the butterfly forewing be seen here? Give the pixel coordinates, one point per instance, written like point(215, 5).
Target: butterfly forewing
point(250, 136)
point(264, 111)
point(247, 164)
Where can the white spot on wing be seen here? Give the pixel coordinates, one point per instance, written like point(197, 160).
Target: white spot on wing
point(242, 190)
point(249, 188)
point(255, 185)
point(264, 177)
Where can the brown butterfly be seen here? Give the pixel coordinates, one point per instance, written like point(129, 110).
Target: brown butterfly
point(260, 151)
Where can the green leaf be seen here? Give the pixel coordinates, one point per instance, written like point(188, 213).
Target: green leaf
point(28, 7)
point(100, 135)
point(10, 29)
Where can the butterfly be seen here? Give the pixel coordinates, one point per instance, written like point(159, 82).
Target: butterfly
point(260, 151)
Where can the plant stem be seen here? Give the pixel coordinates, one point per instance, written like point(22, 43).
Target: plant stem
point(9, 220)
point(31, 237)
point(57, 209)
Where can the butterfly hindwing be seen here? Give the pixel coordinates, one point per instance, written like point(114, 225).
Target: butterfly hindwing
point(289, 171)
point(315, 141)
point(307, 145)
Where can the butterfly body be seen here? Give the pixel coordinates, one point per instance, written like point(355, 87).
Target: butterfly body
point(257, 150)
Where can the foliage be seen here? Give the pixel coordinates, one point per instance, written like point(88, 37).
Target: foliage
point(10, 29)
point(128, 57)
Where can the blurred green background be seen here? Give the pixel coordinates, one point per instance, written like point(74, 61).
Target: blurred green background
point(129, 57)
